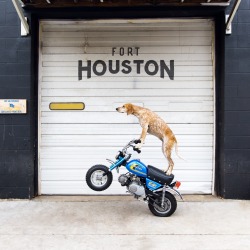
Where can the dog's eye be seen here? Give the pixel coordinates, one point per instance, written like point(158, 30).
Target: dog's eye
point(123, 106)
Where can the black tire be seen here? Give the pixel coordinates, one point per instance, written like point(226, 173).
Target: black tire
point(169, 208)
point(95, 179)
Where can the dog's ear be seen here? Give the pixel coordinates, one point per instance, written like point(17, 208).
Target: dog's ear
point(129, 108)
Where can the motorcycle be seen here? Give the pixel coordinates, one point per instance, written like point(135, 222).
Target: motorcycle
point(146, 183)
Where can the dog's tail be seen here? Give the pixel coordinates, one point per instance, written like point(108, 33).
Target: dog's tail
point(177, 152)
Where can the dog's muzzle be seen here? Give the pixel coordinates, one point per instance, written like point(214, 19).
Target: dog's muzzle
point(119, 110)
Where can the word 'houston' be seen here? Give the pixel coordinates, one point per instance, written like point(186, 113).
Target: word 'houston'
point(151, 68)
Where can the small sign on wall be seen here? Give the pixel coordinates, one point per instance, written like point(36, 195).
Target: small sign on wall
point(13, 106)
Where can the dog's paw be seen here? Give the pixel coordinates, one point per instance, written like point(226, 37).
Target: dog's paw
point(138, 145)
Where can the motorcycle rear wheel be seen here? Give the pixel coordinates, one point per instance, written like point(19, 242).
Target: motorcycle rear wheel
point(96, 179)
point(169, 205)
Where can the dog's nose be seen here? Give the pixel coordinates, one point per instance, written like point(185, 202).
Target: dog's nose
point(117, 109)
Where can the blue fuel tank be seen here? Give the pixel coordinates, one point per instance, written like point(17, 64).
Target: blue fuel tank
point(137, 167)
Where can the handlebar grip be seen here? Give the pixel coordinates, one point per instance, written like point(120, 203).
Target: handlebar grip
point(137, 141)
point(137, 150)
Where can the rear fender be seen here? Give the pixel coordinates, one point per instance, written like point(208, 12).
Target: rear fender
point(173, 190)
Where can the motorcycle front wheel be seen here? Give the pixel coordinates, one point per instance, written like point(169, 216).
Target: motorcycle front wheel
point(168, 208)
point(99, 177)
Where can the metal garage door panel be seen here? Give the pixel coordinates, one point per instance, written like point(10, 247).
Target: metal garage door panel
point(72, 141)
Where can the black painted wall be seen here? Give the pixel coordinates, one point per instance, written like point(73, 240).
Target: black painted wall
point(236, 176)
point(16, 131)
point(18, 79)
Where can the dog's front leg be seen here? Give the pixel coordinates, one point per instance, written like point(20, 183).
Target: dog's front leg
point(143, 136)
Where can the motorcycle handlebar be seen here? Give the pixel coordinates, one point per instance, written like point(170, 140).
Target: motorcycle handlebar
point(137, 141)
point(130, 144)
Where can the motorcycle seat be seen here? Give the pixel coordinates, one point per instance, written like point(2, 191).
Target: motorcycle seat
point(158, 175)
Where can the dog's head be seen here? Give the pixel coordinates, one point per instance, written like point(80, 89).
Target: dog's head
point(126, 108)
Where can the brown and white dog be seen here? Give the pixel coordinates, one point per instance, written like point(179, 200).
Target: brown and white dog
point(151, 123)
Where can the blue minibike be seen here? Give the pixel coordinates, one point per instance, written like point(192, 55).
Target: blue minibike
point(146, 183)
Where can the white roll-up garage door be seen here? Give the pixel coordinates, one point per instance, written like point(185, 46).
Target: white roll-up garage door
point(164, 65)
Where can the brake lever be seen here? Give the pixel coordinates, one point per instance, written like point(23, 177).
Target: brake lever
point(137, 150)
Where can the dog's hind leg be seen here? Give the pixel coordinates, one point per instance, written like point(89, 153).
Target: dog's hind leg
point(167, 149)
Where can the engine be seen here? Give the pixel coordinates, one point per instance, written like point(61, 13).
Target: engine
point(133, 184)
point(124, 179)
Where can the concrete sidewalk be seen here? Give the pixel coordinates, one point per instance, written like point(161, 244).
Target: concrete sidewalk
point(201, 222)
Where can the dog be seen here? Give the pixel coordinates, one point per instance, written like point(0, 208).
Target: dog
point(153, 124)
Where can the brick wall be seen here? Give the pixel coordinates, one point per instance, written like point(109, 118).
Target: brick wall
point(237, 107)
point(16, 148)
